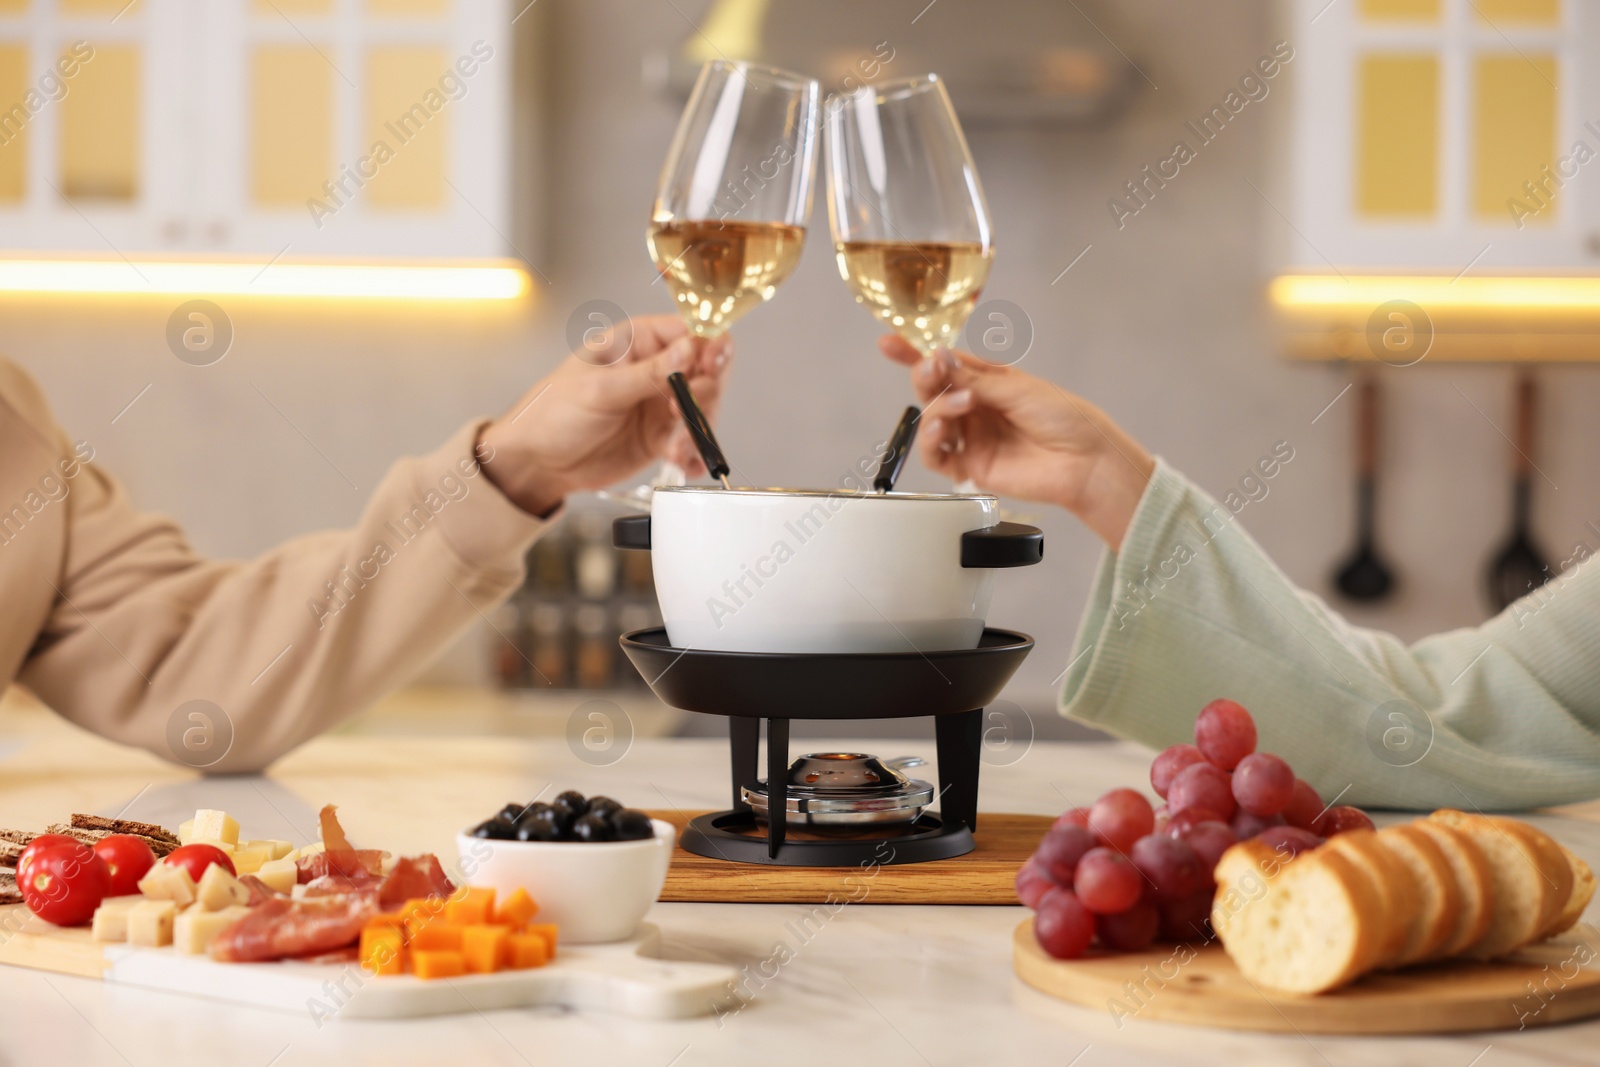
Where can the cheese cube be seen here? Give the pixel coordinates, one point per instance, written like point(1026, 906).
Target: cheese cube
point(211, 825)
point(223, 846)
point(185, 831)
point(150, 923)
point(194, 930)
point(310, 850)
point(247, 859)
point(218, 889)
point(167, 881)
point(280, 876)
point(276, 850)
point(111, 918)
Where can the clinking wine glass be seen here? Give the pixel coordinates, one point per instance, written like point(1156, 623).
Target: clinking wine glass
point(734, 194)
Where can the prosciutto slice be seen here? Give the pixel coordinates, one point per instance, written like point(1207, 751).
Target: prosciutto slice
point(281, 927)
point(355, 864)
point(414, 877)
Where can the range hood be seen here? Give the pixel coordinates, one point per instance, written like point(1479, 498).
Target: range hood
point(1004, 61)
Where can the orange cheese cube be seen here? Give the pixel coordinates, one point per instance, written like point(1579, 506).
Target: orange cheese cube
point(422, 906)
point(473, 907)
point(383, 950)
point(546, 931)
point(485, 948)
point(517, 909)
point(438, 964)
point(435, 936)
point(527, 950)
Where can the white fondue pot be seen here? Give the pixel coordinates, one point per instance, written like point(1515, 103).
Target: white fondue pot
point(782, 570)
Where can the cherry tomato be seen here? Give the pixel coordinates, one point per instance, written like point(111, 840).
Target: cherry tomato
point(196, 858)
point(38, 844)
point(65, 883)
point(129, 860)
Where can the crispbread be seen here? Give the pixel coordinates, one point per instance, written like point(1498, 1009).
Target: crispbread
point(1392, 883)
point(1521, 889)
point(9, 893)
point(1439, 898)
point(1471, 874)
point(125, 826)
point(1582, 892)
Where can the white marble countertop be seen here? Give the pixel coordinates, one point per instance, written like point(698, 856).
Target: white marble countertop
point(879, 984)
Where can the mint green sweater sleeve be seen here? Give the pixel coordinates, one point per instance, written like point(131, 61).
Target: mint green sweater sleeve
point(1504, 716)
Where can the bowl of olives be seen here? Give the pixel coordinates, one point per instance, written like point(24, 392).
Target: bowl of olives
point(593, 866)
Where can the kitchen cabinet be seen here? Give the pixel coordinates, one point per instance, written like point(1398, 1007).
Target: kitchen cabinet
point(261, 128)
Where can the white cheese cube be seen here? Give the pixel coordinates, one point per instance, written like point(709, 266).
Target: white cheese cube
point(167, 881)
point(218, 889)
point(276, 849)
point(311, 849)
point(225, 847)
point(247, 859)
point(111, 918)
point(281, 876)
point(194, 930)
point(211, 825)
point(150, 923)
point(185, 831)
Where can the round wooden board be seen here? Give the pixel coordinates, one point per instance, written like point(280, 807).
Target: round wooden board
point(1555, 982)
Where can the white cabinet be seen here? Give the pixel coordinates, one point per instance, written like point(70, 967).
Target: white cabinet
point(263, 128)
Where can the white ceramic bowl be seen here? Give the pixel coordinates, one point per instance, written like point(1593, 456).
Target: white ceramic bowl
point(593, 891)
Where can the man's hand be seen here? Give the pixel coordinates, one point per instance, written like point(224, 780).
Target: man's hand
point(605, 414)
point(1022, 436)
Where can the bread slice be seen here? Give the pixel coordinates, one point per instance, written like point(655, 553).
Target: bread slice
point(1523, 888)
point(1438, 897)
point(1470, 873)
point(126, 826)
point(9, 893)
point(160, 846)
point(1552, 861)
point(1392, 884)
point(1301, 926)
point(1582, 892)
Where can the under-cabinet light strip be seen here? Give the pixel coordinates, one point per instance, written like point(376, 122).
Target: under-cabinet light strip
point(388, 281)
point(1312, 291)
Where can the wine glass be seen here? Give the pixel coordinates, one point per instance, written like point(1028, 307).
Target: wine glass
point(910, 225)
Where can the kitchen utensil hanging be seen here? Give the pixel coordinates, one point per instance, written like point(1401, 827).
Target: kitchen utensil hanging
point(1519, 566)
point(1364, 575)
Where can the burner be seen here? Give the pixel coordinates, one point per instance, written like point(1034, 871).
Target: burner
point(846, 789)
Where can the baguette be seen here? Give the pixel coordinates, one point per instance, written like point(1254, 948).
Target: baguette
point(1524, 889)
point(1392, 884)
point(1439, 898)
point(1470, 873)
point(1582, 892)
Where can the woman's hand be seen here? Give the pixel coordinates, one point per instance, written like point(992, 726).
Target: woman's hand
point(1023, 436)
point(604, 413)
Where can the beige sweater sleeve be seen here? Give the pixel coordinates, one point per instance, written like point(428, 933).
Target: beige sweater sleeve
point(284, 645)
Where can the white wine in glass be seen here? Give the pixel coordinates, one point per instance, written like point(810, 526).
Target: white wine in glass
point(910, 225)
point(717, 271)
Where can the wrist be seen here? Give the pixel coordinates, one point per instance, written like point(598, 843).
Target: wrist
point(1113, 488)
point(518, 475)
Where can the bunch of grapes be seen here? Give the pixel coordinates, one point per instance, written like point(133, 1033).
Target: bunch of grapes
point(1125, 873)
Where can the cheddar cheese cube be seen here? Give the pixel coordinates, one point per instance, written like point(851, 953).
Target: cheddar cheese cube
point(194, 929)
point(470, 906)
point(213, 826)
point(485, 948)
point(383, 950)
point(437, 964)
point(517, 909)
point(437, 935)
point(150, 923)
point(526, 950)
point(167, 881)
point(546, 931)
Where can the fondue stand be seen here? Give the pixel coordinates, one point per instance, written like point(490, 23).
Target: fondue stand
point(952, 686)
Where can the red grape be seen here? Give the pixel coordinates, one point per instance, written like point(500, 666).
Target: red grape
point(1163, 816)
point(1058, 854)
point(1189, 818)
point(1080, 817)
point(1032, 883)
point(1245, 826)
point(1209, 841)
point(1340, 819)
point(1130, 930)
point(1186, 918)
point(1202, 785)
point(1288, 841)
point(1168, 762)
point(1121, 817)
point(1225, 733)
point(1263, 784)
point(1106, 882)
point(1063, 926)
point(1304, 805)
point(1171, 866)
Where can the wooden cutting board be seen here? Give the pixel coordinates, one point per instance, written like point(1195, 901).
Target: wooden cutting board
point(1554, 982)
point(625, 977)
point(983, 876)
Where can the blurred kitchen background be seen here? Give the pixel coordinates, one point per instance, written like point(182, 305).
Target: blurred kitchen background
point(199, 129)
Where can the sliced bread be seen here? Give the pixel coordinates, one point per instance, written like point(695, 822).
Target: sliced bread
point(1582, 892)
point(1522, 890)
point(1391, 883)
point(1470, 872)
point(1438, 896)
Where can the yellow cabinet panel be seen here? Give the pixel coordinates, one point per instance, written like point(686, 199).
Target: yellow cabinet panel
point(291, 124)
point(13, 123)
point(292, 7)
point(13, 7)
point(408, 115)
point(1397, 135)
point(425, 8)
point(1514, 131)
point(1406, 10)
point(101, 120)
point(1532, 12)
point(100, 8)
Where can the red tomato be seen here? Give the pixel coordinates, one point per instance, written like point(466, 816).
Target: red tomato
point(196, 858)
point(38, 844)
point(129, 859)
point(65, 883)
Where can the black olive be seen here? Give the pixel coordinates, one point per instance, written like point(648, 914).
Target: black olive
point(591, 828)
point(512, 811)
point(535, 807)
point(631, 824)
point(538, 828)
point(573, 801)
point(604, 806)
point(497, 828)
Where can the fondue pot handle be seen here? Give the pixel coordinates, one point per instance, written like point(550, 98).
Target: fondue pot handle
point(631, 531)
point(1005, 544)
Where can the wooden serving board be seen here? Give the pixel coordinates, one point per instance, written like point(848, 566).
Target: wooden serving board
point(1554, 982)
point(983, 876)
point(625, 977)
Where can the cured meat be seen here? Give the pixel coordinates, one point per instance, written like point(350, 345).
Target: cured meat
point(282, 927)
point(350, 863)
point(414, 877)
point(333, 884)
point(333, 838)
point(260, 892)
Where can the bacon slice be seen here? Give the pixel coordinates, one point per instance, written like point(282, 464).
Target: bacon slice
point(414, 877)
point(281, 927)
